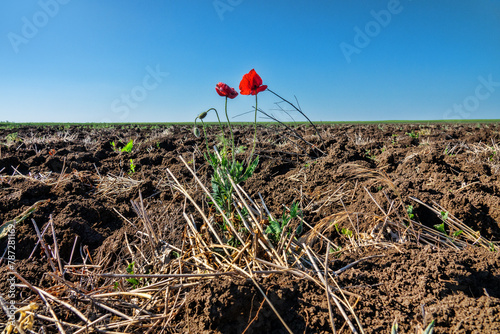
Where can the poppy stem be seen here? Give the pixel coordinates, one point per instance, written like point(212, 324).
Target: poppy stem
point(203, 115)
point(204, 133)
point(221, 129)
point(232, 136)
point(255, 130)
point(220, 125)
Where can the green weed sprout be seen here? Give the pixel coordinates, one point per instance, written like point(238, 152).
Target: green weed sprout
point(128, 148)
point(413, 134)
point(275, 227)
point(370, 156)
point(409, 210)
point(428, 330)
point(13, 138)
point(130, 270)
point(132, 167)
point(440, 227)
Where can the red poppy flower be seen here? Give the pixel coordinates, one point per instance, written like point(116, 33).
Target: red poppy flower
point(251, 84)
point(224, 90)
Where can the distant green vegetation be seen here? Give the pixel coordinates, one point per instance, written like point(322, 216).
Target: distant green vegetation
point(12, 125)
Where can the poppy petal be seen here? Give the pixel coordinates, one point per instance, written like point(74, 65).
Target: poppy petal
point(256, 79)
point(261, 89)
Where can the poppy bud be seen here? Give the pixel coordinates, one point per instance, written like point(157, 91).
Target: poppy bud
point(196, 132)
point(203, 115)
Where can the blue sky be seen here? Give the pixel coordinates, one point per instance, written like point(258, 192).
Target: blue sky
point(159, 60)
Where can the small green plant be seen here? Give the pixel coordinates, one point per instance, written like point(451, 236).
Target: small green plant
point(347, 232)
point(12, 138)
point(492, 247)
point(409, 210)
point(492, 155)
point(335, 250)
point(131, 167)
point(440, 228)
point(309, 164)
point(240, 149)
point(394, 139)
point(413, 134)
point(428, 330)
point(430, 327)
point(128, 148)
point(130, 270)
point(370, 156)
point(447, 152)
point(344, 231)
point(275, 227)
point(444, 216)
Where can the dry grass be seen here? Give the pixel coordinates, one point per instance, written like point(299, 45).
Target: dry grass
point(359, 140)
point(116, 293)
point(112, 185)
point(102, 300)
point(392, 224)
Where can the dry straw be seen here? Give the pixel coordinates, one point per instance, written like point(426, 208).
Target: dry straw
point(146, 285)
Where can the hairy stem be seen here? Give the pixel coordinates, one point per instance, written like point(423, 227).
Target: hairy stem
point(255, 130)
point(205, 134)
point(231, 131)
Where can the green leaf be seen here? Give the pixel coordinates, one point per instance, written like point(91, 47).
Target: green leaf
point(395, 327)
point(337, 227)
point(130, 268)
point(300, 228)
point(440, 228)
point(444, 215)
point(294, 209)
point(457, 233)
point(346, 232)
point(430, 328)
point(274, 228)
point(128, 148)
point(492, 247)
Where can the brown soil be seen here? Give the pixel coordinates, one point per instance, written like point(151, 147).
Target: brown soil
point(364, 170)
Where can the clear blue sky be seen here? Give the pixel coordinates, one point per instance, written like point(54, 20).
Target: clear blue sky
point(159, 60)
